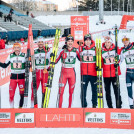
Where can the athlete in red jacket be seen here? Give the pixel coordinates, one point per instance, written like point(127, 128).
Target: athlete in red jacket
point(88, 70)
point(108, 64)
point(68, 57)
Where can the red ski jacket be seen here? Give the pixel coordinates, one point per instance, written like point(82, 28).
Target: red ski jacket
point(88, 60)
point(108, 60)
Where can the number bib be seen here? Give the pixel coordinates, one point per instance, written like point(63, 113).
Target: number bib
point(69, 59)
point(88, 58)
point(110, 60)
point(17, 65)
point(130, 60)
point(40, 61)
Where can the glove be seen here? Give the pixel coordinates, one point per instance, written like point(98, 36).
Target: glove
point(79, 43)
point(52, 54)
point(116, 65)
point(97, 68)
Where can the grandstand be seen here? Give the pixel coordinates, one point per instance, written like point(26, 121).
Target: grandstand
point(18, 28)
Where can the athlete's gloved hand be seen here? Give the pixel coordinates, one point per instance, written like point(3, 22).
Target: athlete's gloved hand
point(52, 54)
point(116, 65)
point(97, 68)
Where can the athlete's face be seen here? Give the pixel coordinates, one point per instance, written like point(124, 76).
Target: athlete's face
point(88, 42)
point(17, 50)
point(108, 44)
point(40, 44)
point(126, 43)
point(70, 44)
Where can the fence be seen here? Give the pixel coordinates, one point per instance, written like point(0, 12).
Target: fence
point(16, 35)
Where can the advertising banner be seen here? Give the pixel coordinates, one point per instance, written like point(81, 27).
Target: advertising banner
point(59, 117)
point(79, 28)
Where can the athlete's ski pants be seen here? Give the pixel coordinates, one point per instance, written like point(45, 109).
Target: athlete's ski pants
point(12, 89)
point(129, 80)
point(67, 74)
point(84, 85)
point(107, 85)
point(40, 78)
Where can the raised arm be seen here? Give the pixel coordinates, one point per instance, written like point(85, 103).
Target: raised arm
point(6, 64)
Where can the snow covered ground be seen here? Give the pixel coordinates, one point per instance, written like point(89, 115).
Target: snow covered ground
point(110, 22)
point(64, 131)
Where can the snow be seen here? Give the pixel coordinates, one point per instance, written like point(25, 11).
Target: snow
point(64, 131)
point(65, 20)
point(110, 22)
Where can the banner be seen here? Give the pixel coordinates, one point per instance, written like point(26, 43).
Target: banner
point(4, 53)
point(67, 118)
point(79, 28)
point(124, 21)
point(17, 118)
point(109, 118)
point(59, 117)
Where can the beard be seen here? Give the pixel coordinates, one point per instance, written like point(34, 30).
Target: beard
point(40, 46)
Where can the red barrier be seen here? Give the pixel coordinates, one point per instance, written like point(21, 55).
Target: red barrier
point(63, 117)
point(67, 117)
point(17, 118)
point(109, 118)
point(125, 19)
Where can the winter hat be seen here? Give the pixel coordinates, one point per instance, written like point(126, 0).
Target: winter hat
point(69, 37)
point(107, 38)
point(87, 36)
point(40, 38)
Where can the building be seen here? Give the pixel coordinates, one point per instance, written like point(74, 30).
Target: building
point(33, 5)
point(49, 6)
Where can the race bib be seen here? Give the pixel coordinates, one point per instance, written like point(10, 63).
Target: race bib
point(88, 58)
point(17, 65)
point(110, 60)
point(69, 59)
point(130, 60)
point(40, 61)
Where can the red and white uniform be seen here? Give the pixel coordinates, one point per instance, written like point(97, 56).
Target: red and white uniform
point(67, 73)
point(88, 67)
point(108, 60)
point(42, 58)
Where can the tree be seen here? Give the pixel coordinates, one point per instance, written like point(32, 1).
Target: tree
point(88, 5)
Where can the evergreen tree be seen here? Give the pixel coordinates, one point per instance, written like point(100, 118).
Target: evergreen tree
point(88, 5)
